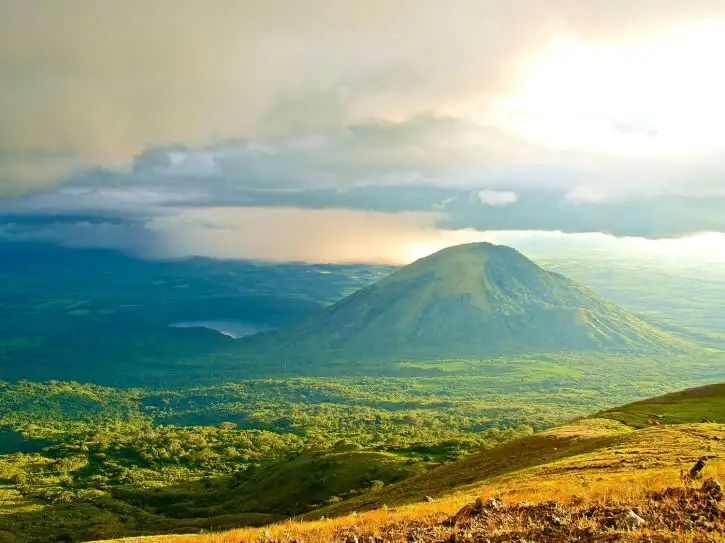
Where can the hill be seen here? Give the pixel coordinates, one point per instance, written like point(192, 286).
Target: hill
point(467, 300)
point(700, 404)
point(583, 481)
point(693, 425)
point(304, 481)
point(122, 311)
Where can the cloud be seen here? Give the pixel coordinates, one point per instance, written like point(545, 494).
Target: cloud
point(195, 73)
point(292, 234)
point(23, 170)
point(444, 203)
point(499, 198)
point(281, 233)
point(331, 110)
point(376, 167)
point(586, 194)
point(441, 152)
point(78, 232)
point(180, 212)
point(653, 217)
point(636, 127)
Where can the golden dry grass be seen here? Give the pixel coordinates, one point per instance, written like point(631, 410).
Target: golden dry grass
point(623, 472)
point(620, 490)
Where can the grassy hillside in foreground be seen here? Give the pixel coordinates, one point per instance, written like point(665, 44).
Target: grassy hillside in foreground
point(701, 404)
point(669, 438)
point(580, 479)
point(584, 475)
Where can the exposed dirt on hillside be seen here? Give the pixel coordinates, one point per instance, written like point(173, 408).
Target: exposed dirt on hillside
point(691, 513)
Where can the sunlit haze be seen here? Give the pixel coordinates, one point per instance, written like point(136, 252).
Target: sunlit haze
point(659, 94)
point(705, 248)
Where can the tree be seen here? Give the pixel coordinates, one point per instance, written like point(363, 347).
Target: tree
point(227, 425)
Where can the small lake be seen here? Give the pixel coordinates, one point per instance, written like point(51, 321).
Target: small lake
point(233, 329)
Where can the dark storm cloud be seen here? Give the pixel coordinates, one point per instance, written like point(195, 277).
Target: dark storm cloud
point(383, 167)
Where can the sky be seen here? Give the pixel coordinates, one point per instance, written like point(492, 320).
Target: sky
point(334, 130)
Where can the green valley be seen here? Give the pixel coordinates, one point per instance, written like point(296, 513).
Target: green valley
point(395, 392)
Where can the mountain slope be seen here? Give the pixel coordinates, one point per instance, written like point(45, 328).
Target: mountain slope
point(468, 300)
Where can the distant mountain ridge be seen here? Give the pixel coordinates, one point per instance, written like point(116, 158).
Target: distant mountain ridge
point(473, 299)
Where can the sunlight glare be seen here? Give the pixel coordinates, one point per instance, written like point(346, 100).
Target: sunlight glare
point(417, 250)
point(661, 96)
point(707, 245)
